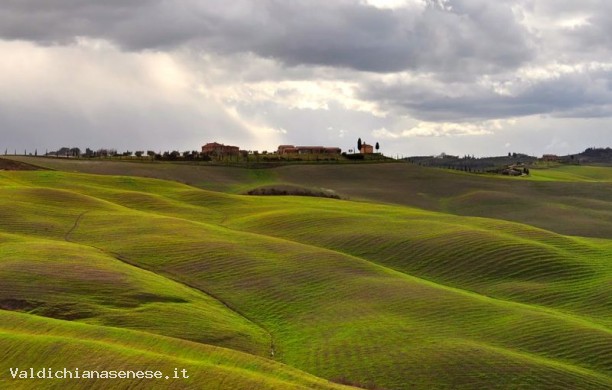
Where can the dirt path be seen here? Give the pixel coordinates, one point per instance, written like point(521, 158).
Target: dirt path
point(76, 225)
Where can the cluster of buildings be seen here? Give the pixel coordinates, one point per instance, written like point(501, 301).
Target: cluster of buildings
point(219, 150)
point(291, 149)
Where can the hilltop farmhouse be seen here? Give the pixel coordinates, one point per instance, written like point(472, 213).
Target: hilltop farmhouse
point(366, 149)
point(220, 150)
point(291, 149)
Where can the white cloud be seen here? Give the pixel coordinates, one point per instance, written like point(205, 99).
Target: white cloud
point(395, 4)
point(443, 129)
point(383, 133)
point(294, 94)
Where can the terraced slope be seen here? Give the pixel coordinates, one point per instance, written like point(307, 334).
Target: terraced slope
point(375, 295)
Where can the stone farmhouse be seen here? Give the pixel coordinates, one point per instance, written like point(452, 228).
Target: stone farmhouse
point(366, 149)
point(219, 150)
point(291, 149)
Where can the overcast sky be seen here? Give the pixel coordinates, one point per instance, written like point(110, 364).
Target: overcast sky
point(420, 77)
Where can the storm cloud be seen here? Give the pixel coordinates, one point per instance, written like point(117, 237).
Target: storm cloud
point(471, 34)
point(577, 93)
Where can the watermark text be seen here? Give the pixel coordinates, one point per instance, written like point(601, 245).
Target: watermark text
point(76, 373)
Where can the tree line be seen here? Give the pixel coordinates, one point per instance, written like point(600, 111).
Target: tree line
point(74, 152)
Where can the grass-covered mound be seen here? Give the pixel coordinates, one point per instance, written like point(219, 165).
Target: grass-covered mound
point(373, 295)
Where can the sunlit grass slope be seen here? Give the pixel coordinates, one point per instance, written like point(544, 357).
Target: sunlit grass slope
point(355, 292)
point(67, 281)
point(573, 173)
point(30, 341)
point(495, 258)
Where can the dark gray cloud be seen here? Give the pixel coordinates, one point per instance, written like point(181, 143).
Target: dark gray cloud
point(134, 25)
point(472, 36)
point(575, 94)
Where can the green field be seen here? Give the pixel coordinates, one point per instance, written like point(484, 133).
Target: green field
point(573, 173)
point(570, 200)
point(419, 279)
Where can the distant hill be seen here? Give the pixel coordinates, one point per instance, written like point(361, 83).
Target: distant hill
point(472, 164)
point(592, 156)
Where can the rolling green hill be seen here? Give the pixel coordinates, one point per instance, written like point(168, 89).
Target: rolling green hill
point(37, 342)
point(258, 292)
point(573, 173)
point(570, 200)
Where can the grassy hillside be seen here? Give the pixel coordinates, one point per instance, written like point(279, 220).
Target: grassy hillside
point(93, 287)
point(571, 200)
point(573, 173)
point(566, 207)
point(32, 341)
point(374, 295)
point(500, 259)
